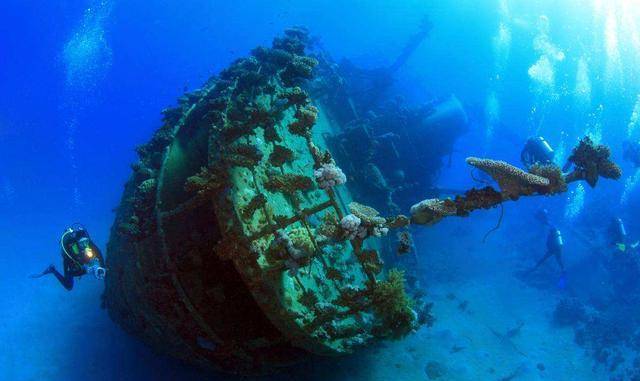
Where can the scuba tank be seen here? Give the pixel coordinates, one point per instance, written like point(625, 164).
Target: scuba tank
point(555, 241)
point(537, 150)
point(617, 232)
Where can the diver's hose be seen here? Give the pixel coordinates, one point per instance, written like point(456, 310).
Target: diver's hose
point(68, 231)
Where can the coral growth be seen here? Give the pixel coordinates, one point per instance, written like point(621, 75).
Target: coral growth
point(370, 261)
point(352, 227)
point(272, 57)
point(147, 188)
point(294, 40)
point(283, 250)
point(308, 299)
point(171, 115)
point(334, 274)
point(244, 155)
point(142, 172)
point(271, 134)
point(234, 131)
point(130, 228)
point(256, 203)
point(376, 225)
point(363, 222)
point(330, 227)
point(353, 298)
point(392, 306)
point(513, 181)
point(474, 199)
point(151, 154)
point(380, 231)
point(305, 119)
point(405, 243)
point(288, 183)
point(320, 157)
point(140, 220)
point(329, 175)
point(280, 155)
point(431, 211)
point(301, 240)
point(398, 221)
point(207, 181)
point(239, 67)
point(245, 118)
point(591, 162)
point(295, 96)
point(260, 116)
point(300, 68)
point(553, 173)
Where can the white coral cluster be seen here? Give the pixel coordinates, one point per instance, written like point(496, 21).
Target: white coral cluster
point(380, 230)
point(353, 228)
point(329, 175)
point(294, 255)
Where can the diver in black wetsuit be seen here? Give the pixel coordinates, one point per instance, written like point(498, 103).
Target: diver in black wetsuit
point(536, 151)
point(554, 249)
point(618, 238)
point(617, 232)
point(80, 256)
point(623, 264)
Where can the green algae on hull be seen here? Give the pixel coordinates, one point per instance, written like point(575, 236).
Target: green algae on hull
point(220, 262)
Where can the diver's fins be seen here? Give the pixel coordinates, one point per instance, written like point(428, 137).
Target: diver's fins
point(46, 271)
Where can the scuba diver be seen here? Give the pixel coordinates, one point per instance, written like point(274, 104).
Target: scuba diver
point(80, 256)
point(631, 152)
point(617, 235)
point(623, 264)
point(554, 249)
point(536, 151)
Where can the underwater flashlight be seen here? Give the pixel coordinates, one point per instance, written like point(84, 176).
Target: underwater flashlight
point(88, 252)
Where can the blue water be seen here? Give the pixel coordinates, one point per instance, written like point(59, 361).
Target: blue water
point(82, 84)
